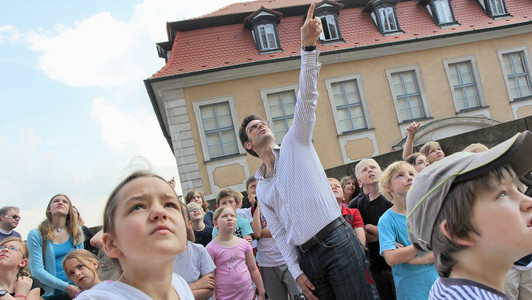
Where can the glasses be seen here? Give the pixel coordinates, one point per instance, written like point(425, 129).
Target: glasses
point(10, 248)
point(256, 125)
point(194, 209)
point(15, 217)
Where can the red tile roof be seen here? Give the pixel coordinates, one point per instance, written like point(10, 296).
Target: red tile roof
point(252, 6)
point(212, 48)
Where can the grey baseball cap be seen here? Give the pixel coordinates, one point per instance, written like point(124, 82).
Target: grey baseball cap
point(430, 187)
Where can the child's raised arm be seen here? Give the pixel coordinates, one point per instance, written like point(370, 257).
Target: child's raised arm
point(255, 275)
point(410, 133)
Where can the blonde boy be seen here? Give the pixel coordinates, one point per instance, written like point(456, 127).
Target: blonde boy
point(202, 231)
point(232, 198)
point(371, 207)
point(469, 210)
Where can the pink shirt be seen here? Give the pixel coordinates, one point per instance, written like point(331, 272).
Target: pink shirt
point(233, 280)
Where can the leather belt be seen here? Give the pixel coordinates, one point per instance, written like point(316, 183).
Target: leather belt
point(321, 235)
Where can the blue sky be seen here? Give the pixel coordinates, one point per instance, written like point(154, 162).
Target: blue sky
point(74, 112)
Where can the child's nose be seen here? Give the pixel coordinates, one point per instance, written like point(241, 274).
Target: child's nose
point(526, 203)
point(157, 212)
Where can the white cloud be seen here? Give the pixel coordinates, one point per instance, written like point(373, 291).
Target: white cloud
point(9, 34)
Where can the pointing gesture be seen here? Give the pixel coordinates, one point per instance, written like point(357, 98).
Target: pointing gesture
point(311, 30)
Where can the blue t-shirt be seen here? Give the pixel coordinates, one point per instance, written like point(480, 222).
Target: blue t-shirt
point(60, 251)
point(242, 228)
point(411, 281)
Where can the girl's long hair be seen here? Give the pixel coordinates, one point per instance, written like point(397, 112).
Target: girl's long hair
point(47, 231)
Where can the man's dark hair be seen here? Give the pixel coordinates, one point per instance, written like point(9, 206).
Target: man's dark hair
point(244, 135)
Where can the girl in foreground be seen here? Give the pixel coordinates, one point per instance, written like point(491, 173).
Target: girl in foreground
point(13, 258)
point(81, 266)
point(233, 257)
point(143, 232)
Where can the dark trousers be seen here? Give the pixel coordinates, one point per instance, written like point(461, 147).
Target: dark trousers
point(384, 283)
point(336, 266)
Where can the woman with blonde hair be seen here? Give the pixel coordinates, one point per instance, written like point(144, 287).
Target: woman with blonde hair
point(55, 237)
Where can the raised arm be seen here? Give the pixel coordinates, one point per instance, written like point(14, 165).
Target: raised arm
point(411, 131)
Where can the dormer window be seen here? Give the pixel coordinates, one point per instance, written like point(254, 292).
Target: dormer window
point(267, 37)
point(328, 12)
point(441, 11)
point(494, 8)
point(387, 21)
point(263, 26)
point(384, 15)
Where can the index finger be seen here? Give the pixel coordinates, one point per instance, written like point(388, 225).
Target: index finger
point(310, 13)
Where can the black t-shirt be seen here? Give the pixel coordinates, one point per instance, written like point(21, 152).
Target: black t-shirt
point(35, 284)
point(371, 211)
point(203, 237)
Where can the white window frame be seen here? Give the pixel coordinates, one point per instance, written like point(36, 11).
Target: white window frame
point(360, 84)
point(268, 29)
point(528, 64)
point(474, 69)
point(443, 11)
point(500, 5)
point(264, 95)
point(421, 87)
point(199, 122)
point(382, 15)
point(330, 19)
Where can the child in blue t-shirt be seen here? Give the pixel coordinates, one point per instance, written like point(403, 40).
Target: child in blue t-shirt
point(413, 273)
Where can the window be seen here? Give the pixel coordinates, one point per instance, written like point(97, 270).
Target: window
point(216, 123)
point(516, 68)
point(387, 19)
point(346, 99)
point(443, 11)
point(497, 8)
point(280, 104)
point(263, 26)
point(267, 37)
point(408, 93)
point(464, 81)
point(330, 28)
point(494, 8)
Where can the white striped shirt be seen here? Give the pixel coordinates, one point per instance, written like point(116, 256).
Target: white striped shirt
point(459, 288)
point(297, 201)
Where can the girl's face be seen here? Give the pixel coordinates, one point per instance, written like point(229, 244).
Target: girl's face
point(11, 257)
point(435, 153)
point(148, 224)
point(421, 163)
point(197, 198)
point(226, 220)
point(401, 182)
point(59, 206)
point(349, 187)
point(82, 276)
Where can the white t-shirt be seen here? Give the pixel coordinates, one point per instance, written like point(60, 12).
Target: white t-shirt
point(193, 263)
point(118, 290)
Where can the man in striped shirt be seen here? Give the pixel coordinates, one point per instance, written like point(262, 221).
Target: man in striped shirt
point(319, 247)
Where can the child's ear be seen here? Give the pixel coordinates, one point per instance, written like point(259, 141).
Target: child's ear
point(110, 247)
point(215, 223)
point(467, 241)
point(95, 264)
point(23, 263)
point(247, 145)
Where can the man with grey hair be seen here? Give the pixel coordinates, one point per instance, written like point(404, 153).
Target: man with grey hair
point(9, 218)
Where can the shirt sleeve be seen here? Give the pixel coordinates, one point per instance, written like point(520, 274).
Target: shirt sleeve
point(358, 221)
point(386, 234)
point(35, 244)
point(207, 265)
point(245, 227)
point(288, 251)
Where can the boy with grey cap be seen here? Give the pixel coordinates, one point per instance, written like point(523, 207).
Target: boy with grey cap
point(469, 210)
